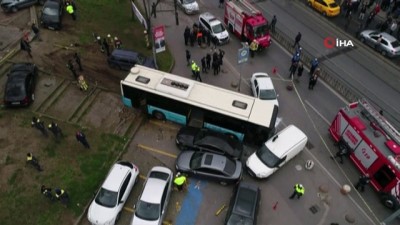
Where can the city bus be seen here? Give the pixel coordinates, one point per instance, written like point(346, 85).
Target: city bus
point(190, 103)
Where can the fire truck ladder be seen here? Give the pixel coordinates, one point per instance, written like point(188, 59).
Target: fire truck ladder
point(247, 7)
point(383, 123)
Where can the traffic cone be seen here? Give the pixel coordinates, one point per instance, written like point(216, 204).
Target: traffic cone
point(274, 70)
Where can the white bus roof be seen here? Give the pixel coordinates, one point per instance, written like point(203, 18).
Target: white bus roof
point(208, 96)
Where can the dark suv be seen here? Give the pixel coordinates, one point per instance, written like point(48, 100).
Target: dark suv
point(15, 5)
point(126, 59)
point(244, 205)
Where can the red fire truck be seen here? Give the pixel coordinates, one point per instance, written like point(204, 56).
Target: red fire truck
point(246, 22)
point(373, 145)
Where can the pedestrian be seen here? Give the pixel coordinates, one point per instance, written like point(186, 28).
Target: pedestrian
point(221, 56)
point(385, 25)
point(80, 137)
point(110, 41)
point(377, 9)
point(193, 68)
point(215, 42)
point(339, 154)
point(298, 191)
point(71, 68)
point(55, 129)
point(117, 43)
point(197, 72)
point(362, 181)
point(296, 57)
point(153, 10)
point(215, 66)
point(180, 181)
point(297, 40)
point(32, 160)
point(300, 69)
point(313, 79)
point(208, 37)
point(36, 31)
point(348, 21)
point(62, 196)
point(208, 61)
point(314, 65)
point(203, 65)
point(199, 37)
point(253, 47)
point(219, 63)
point(393, 27)
point(221, 4)
point(25, 46)
point(188, 56)
point(70, 10)
point(78, 60)
point(106, 47)
point(369, 19)
point(273, 23)
point(186, 35)
point(362, 11)
point(292, 69)
point(39, 125)
point(46, 192)
point(83, 86)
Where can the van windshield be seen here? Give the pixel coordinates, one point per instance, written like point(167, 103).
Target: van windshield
point(267, 157)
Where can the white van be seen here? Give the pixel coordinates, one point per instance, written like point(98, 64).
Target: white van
point(277, 151)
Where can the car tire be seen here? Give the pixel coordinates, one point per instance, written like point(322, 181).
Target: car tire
point(384, 53)
point(158, 115)
point(362, 39)
point(14, 9)
point(324, 14)
point(389, 201)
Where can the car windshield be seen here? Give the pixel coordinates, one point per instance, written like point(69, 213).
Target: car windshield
point(267, 157)
point(147, 211)
point(239, 220)
point(260, 31)
point(50, 11)
point(188, 1)
point(230, 167)
point(195, 161)
point(395, 43)
point(107, 198)
point(333, 5)
point(266, 94)
point(218, 28)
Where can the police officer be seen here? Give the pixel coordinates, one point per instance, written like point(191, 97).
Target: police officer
point(71, 68)
point(70, 10)
point(62, 196)
point(30, 159)
point(198, 73)
point(253, 47)
point(47, 192)
point(55, 129)
point(298, 191)
point(78, 61)
point(179, 181)
point(80, 137)
point(314, 65)
point(193, 67)
point(39, 125)
point(203, 65)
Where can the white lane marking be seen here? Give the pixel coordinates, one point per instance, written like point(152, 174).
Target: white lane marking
point(317, 112)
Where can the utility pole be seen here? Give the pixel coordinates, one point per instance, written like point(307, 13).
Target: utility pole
point(149, 30)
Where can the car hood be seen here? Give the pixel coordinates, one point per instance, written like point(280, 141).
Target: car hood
point(258, 167)
point(191, 6)
point(222, 35)
point(183, 160)
point(98, 214)
point(49, 19)
point(137, 221)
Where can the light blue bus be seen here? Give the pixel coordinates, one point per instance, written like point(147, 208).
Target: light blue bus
point(190, 103)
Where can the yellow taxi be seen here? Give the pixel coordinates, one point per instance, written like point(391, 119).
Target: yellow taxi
point(326, 7)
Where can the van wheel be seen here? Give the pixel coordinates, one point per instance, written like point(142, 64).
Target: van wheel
point(383, 52)
point(389, 201)
point(158, 115)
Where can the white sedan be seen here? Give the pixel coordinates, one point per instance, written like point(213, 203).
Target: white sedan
point(109, 201)
point(262, 87)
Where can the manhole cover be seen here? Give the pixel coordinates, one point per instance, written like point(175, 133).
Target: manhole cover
point(314, 209)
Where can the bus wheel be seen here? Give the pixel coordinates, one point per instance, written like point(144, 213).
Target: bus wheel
point(159, 115)
point(389, 201)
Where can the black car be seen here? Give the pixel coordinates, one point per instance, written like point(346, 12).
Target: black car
point(200, 139)
point(20, 85)
point(124, 59)
point(51, 15)
point(15, 5)
point(243, 208)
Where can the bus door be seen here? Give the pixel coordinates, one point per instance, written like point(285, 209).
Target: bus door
point(196, 117)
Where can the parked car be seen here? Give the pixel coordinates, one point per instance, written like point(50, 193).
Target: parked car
point(326, 7)
point(110, 199)
point(210, 166)
point(389, 45)
point(214, 26)
point(189, 6)
point(152, 205)
point(15, 5)
point(51, 14)
point(126, 59)
point(276, 152)
point(20, 85)
point(244, 205)
point(263, 88)
point(200, 139)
